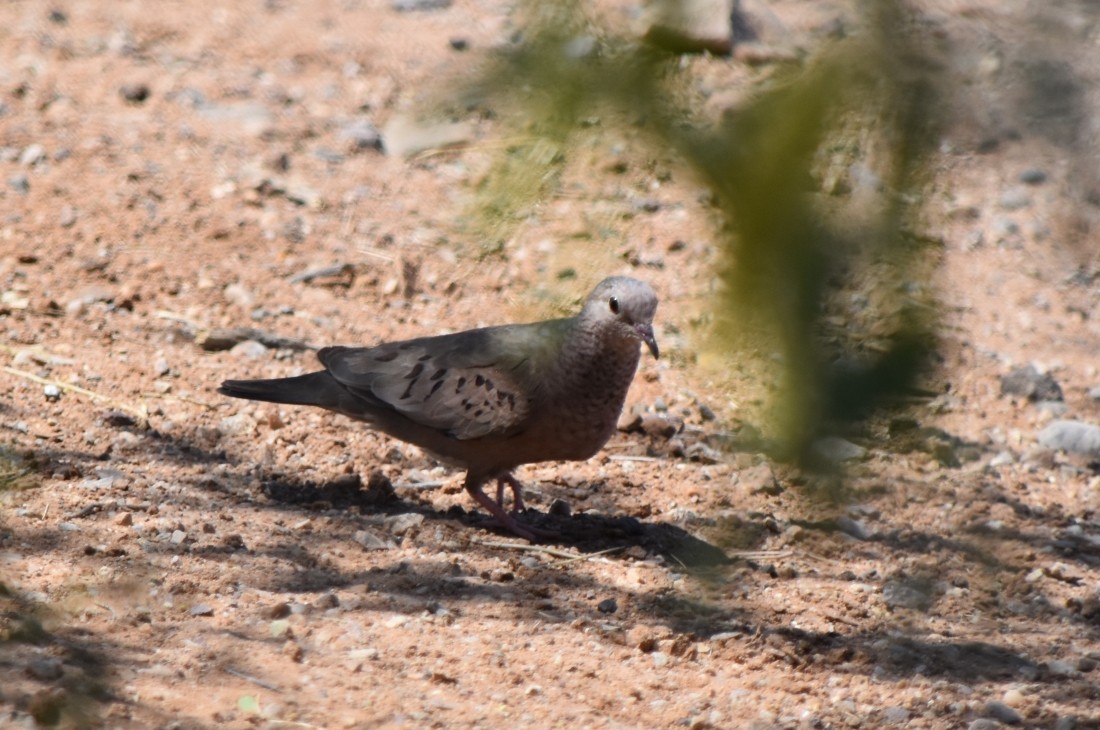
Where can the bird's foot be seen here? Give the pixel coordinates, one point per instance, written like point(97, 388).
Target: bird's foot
point(518, 507)
point(507, 520)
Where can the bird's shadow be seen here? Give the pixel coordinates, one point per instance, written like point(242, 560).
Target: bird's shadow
point(587, 532)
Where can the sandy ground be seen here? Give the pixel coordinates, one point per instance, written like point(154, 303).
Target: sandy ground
point(170, 558)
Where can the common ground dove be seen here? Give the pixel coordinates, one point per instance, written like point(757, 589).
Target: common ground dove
point(493, 398)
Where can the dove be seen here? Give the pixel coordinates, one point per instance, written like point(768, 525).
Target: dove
point(490, 399)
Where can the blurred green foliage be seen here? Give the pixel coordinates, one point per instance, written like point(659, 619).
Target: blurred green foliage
point(841, 302)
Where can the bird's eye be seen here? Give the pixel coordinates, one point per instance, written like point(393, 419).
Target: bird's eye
point(614, 304)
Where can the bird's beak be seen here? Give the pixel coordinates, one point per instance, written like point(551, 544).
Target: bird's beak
point(645, 332)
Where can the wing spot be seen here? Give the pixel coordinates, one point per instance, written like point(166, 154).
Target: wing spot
point(408, 391)
point(386, 357)
point(439, 373)
point(437, 386)
point(489, 385)
point(479, 381)
point(461, 385)
point(424, 358)
point(415, 372)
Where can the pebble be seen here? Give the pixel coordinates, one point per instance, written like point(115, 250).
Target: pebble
point(239, 295)
point(238, 424)
point(1059, 668)
point(899, 594)
point(45, 669)
point(32, 154)
point(1030, 383)
point(400, 524)
point(135, 93)
point(660, 659)
point(689, 26)
point(896, 715)
point(405, 136)
point(1033, 176)
point(983, 723)
point(409, 6)
point(1003, 713)
point(370, 540)
point(853, 528)
point(19, 183)
point(249, 349)
point(161, 367)
point(52, 392)
point(607, 605)
point(835, 449)
point(1002, 458)
point(67, 217)
point(1013, 697)
point(202, 609)
point(1015, 198)
point(1073, 436)
point(362, 135)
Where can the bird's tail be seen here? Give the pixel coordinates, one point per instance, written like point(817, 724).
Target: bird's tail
point(313, 389)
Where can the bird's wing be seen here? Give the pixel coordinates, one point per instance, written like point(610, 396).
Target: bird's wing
point(468, 385)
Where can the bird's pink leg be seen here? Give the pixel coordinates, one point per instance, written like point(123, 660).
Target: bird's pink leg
point(500, 517)
point(517, 493)
point(503, 518)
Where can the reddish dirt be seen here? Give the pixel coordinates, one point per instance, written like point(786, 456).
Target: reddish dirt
point(170, 558)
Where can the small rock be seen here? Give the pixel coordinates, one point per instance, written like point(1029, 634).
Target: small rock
point(1015, 198)
point(161, 367)
point(239, 424)
point(1003, 713)
point(835, 449)
point(1033, 176)
point(1059, 668)
point(32, 154)
point(896, 715)
point(608, 605)
point(52, 392)
point(372, 541)
point(362, 135)
point(249, 350)
point(178, 536)
point(664, 427)
point(1013, 697)
point(1073, 436)
point(405, 136)
point(135, 93)
point(409, 6)
point(20, 183)
point(124, 519)
point(202, 609)
point(852, 527)
point(912, 594)
point(691, 26)
point(630, 422)
point(239, 295)
point(983, 723)
point(458, 43)
point(67, 217)
point(45, 669)
point(1002, 458)
point(660, 659)
point(1030, 383)
point(400, 524)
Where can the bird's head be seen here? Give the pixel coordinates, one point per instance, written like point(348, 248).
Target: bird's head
point(625, 307)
